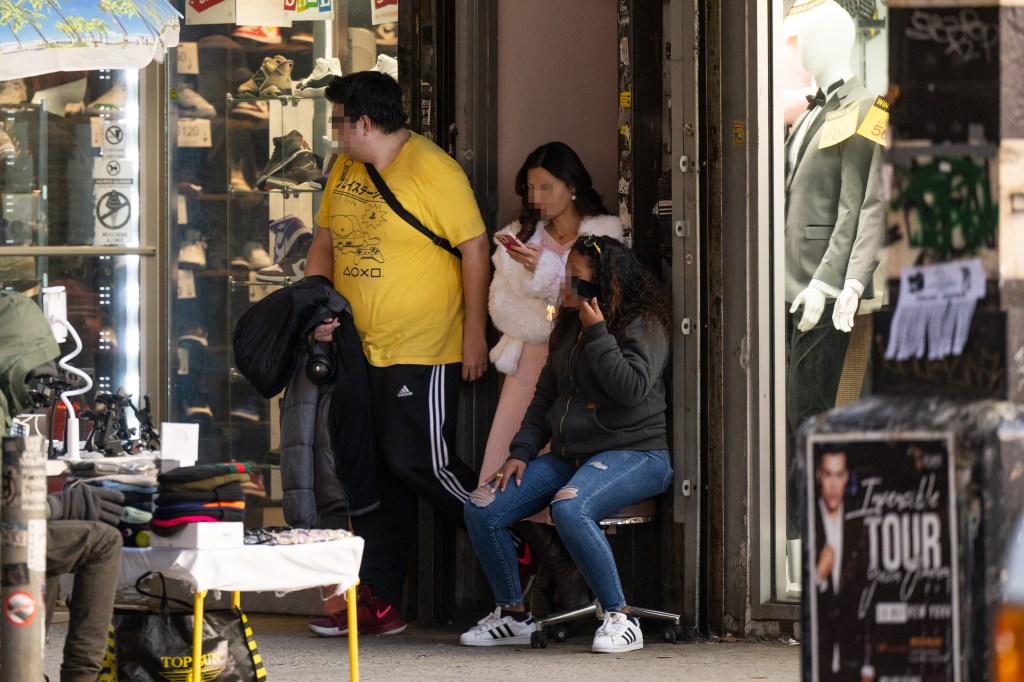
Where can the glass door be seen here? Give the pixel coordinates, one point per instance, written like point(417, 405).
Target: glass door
point(249, 148)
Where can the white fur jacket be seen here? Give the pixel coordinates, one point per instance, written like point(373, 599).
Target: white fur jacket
point(519, 299)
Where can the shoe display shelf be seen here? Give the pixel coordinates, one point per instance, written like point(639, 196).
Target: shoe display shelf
point(272, 199)
point(23, 214)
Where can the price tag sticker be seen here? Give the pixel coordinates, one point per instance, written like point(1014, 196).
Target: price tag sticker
point(839, 125)
point(182, 210)
point(194, 132)
point(876, 123)
point(188, 58)
point(186, 284)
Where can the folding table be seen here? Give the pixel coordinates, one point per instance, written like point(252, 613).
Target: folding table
point(255, 568)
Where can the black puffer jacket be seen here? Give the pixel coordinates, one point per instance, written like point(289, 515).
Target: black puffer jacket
point(327, 443)
point(327, 461)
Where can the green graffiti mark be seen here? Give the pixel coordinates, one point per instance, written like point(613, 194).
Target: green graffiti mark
point(952, 202)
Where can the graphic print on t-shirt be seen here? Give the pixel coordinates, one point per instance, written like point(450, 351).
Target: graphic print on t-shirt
point(358, 212)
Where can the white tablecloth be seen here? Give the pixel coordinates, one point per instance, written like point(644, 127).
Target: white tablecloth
point(252, 568)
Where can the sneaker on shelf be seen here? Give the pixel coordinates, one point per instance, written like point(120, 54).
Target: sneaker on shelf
point(272, 79)
point(387, 65)
point(7, 150)
point(286, 148)
point(287, 231)
point(192, 104)
point(13, 91)
point(494, 629)
point(253, 257)
point(247, 409)
point(196, 335)
point(256, 110)
point(315, 84)
point(192, 254)
point(190, 188)
point(110, 102)
point(74, 108)
point(291, 268)
point(302, 172)
point(292, 165)
point(617, 633)
point(237, 181)
point(199, 411)
point(373, 616)
point(270, 35)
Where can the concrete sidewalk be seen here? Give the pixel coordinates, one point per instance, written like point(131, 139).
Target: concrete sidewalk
point(292, 654)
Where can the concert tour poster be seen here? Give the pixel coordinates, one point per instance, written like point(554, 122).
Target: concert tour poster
point(882, 580)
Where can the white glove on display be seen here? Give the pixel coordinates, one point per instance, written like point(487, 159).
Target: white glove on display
point(813, 301)
point(846, 305)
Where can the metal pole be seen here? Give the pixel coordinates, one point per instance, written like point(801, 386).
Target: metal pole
point(23, 561)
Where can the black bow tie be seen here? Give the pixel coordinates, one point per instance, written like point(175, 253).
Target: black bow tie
point(816, 100)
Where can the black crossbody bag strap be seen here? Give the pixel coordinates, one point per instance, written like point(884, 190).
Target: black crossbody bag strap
point(391, 200)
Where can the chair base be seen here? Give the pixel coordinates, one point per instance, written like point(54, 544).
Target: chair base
point(538, 640)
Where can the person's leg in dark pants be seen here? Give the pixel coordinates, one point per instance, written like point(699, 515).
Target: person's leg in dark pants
point(91, 551)
point(814, 366)
point(414, 409)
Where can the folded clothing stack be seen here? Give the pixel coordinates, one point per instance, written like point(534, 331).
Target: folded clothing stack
point(135, 479)
point(206, 493)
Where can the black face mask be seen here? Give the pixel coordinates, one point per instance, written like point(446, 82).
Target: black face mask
point(585, 290)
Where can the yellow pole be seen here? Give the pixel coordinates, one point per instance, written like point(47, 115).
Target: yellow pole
point(197, 635)
point(236, 600)
point(353, 635)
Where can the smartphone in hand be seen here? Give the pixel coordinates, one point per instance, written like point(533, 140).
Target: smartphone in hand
point(509, 241)
point(586, 290)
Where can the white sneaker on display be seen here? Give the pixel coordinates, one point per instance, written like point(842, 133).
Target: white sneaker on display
point(192, 255)
point(386, 64)
point(192, 104)
point(618, 633)
point(316, 83)
point(495, 629)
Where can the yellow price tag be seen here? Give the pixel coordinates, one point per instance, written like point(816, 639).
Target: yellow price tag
point(876, 122)
point(625, 99)
point(839, 125)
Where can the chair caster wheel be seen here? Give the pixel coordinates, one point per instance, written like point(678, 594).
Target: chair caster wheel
point(538, 640)
point(669, 634)
point(560, 633)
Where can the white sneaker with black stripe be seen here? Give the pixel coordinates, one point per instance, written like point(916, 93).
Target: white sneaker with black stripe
point(618, 633)
point(495, 629)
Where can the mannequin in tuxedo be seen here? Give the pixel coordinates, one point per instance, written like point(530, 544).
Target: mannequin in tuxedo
point(835, 221)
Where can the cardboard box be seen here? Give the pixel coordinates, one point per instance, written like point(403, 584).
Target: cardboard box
point(203, 536)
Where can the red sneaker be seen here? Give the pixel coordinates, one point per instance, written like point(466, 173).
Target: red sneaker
point(374, 616)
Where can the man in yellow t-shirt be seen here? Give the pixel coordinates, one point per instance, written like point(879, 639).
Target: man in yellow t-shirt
point(420, 311)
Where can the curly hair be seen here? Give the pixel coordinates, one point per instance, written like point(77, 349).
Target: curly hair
point(561, 161)
point(628, 290)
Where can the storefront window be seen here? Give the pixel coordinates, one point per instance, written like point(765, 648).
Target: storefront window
point(830, 78)
point(69, 180)
point(249, 149)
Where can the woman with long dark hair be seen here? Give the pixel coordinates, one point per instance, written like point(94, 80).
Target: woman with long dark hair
point(558, 202)
point(600, 402)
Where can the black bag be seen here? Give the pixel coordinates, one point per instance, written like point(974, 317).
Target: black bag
point(156, 646)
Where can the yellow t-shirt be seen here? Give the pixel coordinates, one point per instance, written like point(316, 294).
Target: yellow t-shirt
point(405, 291)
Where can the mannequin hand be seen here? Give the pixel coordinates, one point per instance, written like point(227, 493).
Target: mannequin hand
point(846, 308)
point(528, 256)
point(813, 302)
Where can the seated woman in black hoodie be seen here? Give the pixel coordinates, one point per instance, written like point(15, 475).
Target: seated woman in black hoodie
point(600, 401)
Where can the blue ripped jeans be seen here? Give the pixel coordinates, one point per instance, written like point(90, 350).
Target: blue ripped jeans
point(604, 484)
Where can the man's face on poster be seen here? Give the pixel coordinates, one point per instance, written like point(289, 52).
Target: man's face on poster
point(832, 478)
